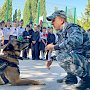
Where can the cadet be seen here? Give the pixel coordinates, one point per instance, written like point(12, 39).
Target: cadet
point(35, 43)
point(21, 29)
point(30, 32)
point(3, 24)
point(43, 42)
point(6, 32)
point(50, 40)
point(14, 31)
point(26, 36)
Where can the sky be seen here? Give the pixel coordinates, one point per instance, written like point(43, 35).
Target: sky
point(80, 5)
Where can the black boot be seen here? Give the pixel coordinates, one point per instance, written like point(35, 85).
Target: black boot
point(69, 79)
point(21, 58)
point(84, 83)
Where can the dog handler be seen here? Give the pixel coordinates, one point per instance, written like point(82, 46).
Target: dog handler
point(71, 50)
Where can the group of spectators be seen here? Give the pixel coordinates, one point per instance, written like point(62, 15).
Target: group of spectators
point(72, 46)
point(38, 37)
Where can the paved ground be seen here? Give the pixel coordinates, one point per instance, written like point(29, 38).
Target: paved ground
point(36, 70)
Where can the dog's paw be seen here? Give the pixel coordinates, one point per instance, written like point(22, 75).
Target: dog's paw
point(42, 83)
point(39, 83)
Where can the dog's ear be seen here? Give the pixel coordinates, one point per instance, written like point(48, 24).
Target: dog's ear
point(9, 47)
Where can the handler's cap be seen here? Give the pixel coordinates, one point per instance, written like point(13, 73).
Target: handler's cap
point(60, 13)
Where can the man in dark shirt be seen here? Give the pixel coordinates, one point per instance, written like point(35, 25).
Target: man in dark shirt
point(35, 43)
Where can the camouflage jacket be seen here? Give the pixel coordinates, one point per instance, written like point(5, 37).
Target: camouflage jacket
point(72, 37)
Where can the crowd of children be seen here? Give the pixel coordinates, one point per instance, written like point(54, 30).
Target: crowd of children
point(38, 37)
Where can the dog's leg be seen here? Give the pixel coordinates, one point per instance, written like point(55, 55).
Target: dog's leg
point(14, 78)
point(3, 77)
point(1, 81)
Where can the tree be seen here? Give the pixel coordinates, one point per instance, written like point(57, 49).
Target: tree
point(15, 16)
point(43, 9)
point(0, 13)
point(19, 15)
point(85, 19)
point(34, 4)
point(31, 10)
point(87, 12)
point(27, 12)
point(6, 10)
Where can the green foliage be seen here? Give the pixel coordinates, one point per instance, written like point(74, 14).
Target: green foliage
point(15, 16)
point(34, 7)
point(6, 10)
point(27, 12)
point(43, 9)
point(19, 15)
point(32, 10)
point(85, 20)
point(85, 23)
point(0, 14)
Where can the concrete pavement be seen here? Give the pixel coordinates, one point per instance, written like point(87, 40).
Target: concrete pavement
point(35, 69)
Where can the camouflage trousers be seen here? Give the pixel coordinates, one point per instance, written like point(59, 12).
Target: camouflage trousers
point(74, 63)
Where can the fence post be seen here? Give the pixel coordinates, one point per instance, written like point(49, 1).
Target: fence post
point(7, 10)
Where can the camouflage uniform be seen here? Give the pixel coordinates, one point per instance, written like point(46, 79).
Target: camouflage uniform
point(71, 50)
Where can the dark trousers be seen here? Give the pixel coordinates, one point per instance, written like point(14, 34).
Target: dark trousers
point(47, 55)
point(25, 52)
point(35, 51)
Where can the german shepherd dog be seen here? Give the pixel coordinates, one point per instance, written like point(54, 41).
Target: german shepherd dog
point(9, 70)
